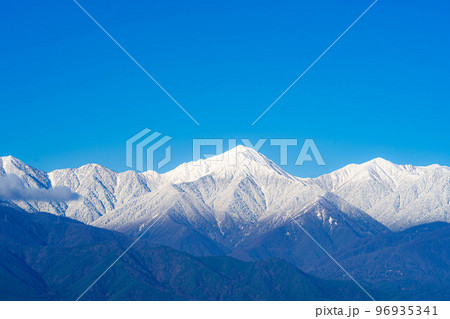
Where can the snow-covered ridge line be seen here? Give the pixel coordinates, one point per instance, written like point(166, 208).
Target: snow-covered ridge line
point(239, 188)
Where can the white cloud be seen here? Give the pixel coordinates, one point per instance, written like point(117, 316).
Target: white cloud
point(12, 188)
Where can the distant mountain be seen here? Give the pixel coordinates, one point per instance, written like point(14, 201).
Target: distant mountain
point(239, 203)
point(43, 257)
point(398, 196)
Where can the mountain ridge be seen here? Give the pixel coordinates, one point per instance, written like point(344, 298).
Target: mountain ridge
point(222, 208)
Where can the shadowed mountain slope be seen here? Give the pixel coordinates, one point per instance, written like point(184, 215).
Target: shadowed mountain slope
point(46, 258)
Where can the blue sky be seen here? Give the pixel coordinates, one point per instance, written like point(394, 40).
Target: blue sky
point(69, 96)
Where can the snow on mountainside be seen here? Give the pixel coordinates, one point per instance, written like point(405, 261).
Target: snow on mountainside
point(240, 186)
point(102, 190)
point(30, 176)
point(363, 185)
point(425, 200)
point(33, 178)
point(399, 196)
point(329, 219)
point(237, 162)
point(222, 198)
point(213, 199)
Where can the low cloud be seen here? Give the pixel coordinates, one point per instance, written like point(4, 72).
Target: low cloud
point(12, 188)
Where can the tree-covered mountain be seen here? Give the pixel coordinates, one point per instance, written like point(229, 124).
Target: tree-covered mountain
point(46, 258)
point(413, 264)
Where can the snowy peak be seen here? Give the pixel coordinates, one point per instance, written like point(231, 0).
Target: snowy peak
point(11, 165)
point(237, 162)
point(379, 161)
point(377, 171)
point(30, 176)
point(388, 168)
point(241, 155)
point(10, 160)
point(380, 183)
point(380, 165)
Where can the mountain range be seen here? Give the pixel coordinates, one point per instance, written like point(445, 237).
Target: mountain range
point(386, 223)
point(242, 204)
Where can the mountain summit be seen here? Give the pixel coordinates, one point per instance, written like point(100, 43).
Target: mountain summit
point(239, 161)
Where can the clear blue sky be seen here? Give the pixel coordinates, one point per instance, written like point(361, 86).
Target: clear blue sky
point(70, 96)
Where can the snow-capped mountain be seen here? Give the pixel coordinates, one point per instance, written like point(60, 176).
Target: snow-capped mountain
point(398, 196)
point(235, 200)
point(102, 190)
point(31, 178)
point(222, 199)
